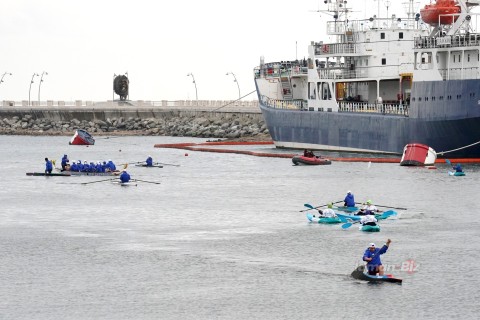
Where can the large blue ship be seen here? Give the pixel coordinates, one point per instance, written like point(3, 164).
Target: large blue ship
point(384, 83)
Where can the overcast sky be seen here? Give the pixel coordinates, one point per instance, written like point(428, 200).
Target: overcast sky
point(82, 44)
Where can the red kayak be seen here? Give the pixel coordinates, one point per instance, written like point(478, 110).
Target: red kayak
point(316, 160)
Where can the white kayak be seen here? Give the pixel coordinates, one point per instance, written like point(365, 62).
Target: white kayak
point(125, 184)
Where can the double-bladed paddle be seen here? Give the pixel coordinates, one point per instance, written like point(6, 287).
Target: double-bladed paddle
point(312, 207)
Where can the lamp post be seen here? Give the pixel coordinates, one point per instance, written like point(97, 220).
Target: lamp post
point(387, 4)
point(3, 75)
point(196, 92)
point(30, 89)
point(40, 84)
point(235, 80)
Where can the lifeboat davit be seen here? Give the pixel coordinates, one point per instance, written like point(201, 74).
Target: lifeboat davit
point(435, 13)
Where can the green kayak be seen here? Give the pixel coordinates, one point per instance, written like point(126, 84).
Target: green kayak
point(329, 220)
point(368, 228)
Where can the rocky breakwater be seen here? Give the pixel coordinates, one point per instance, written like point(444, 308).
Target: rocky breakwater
point(204, 125)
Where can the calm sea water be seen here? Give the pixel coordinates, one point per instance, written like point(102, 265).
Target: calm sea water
point(222, 238)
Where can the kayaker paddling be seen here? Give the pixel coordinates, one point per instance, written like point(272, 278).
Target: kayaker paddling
point(368, 208)
point(368, 220)
point(327, 213)
point(372, 257)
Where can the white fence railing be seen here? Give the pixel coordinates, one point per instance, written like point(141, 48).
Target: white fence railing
point(137, 103)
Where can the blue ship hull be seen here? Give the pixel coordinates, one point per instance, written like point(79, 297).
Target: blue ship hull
point(444, 115)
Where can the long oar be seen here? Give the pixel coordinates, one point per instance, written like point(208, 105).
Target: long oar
point(312, 207)
point(147, 181)
point(99, 181)
point(379, 205)
point(168, 164)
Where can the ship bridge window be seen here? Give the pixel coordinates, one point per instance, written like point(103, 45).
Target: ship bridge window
point(459, 96)
point(312, 93)
point(382, 35)
point(324, 88)
point(400, 35)
point(384, 61)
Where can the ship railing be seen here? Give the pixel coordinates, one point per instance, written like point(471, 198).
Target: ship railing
point(342, 73)
point(459, 73)
point(335, 48)
point(454, 41)
point(276, 71)
point(343, 27)
point(296, 104)
point(383, 108)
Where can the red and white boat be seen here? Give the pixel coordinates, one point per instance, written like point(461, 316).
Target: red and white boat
point(442, 11)
point(417, 154)
point(82, 137)
point(315, 160)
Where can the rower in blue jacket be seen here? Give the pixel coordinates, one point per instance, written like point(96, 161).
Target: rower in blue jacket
point(111, 166)
point(349, 200)
point(48, 166)
point(124, 177)
point(372, 257)
point(64, 162)
point(149, 161)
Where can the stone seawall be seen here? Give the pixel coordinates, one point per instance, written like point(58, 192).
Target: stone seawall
point(137, 121)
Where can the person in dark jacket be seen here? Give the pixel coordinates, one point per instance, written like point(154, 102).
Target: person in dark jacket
point(149, 161)
point(124, 177)
point(65, 161)
point(458, 168)
point(48, 166)
point(349, 200)
point(372, 257)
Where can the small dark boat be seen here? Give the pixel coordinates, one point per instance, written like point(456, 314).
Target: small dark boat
point(316, 160)
point(359, 274)
point(82, 137)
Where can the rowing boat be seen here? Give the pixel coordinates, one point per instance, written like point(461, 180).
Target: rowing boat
point(72, 173)
point(347, 209)
point(145, 165)
point(359, 274)
point(125, 184)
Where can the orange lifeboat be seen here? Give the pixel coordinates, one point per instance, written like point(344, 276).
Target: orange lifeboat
point(431, 12)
